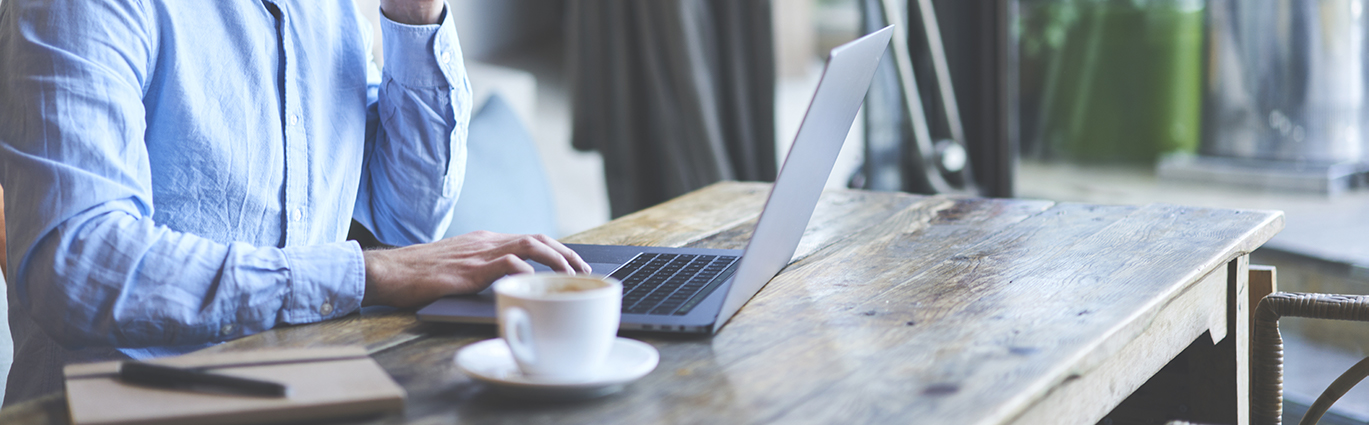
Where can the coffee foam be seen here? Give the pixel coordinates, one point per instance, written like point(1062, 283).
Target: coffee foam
point(554, 286)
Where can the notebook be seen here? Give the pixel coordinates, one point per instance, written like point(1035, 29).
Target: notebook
point(324, 383)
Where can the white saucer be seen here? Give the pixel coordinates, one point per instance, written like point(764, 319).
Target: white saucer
point(491, 362)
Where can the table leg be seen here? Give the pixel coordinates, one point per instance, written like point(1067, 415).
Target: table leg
point(1239, 306)
point(1219, 374)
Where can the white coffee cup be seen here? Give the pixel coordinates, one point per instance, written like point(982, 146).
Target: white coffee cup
point(559, 327)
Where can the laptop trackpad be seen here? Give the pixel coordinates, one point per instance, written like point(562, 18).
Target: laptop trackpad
point(488, 293)
point(599, 268)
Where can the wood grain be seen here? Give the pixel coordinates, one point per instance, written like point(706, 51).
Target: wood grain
point(1239, 326)
point(896, 308)
point(682, 220)
point(1264, 280)
point(861, 323)
point(375, 331)
point(1007, 320)
point(1090, 394)
point(839, 214)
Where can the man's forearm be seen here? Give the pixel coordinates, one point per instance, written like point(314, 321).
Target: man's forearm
point(109, 278)
point(413, 12)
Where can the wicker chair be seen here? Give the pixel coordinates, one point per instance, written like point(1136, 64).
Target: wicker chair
point(1266, 389)
point(1266, 346)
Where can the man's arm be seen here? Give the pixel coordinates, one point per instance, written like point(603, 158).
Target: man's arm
point(424, 104)
point(90, 265)
point(420, 107)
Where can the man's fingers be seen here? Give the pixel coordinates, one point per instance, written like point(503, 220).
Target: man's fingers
point(572, 258)
point(509, 264)
point(536, 249)
point(483, 275)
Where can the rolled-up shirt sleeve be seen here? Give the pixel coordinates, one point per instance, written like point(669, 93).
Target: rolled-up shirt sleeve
point(109, 277)
point(422, 103)
point(89, 264)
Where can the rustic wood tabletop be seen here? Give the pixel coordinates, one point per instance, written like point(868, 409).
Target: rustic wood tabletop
point(897, 308)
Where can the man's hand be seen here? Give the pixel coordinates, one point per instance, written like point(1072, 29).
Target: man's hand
point(416, 275)
point(413, 12)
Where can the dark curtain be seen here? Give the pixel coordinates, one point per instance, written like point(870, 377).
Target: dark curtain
point(981, 66)
point(675, 94)
point(982, 53)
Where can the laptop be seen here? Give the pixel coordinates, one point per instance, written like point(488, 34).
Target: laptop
point(696, 290)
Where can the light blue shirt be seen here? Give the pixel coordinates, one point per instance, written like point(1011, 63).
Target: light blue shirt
point(180, 173)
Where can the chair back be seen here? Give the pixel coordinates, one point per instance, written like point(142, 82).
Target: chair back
point(1266, 390)
point(506, 188)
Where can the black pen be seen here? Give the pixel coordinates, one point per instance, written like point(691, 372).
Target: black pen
point(140, 373)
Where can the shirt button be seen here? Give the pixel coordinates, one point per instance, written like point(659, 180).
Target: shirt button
point(446, 57)
point(325, 309)
point(226, 329)
point(294, 119)
point(297, 214)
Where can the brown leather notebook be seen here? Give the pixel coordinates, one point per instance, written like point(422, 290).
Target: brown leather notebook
point(324, 383)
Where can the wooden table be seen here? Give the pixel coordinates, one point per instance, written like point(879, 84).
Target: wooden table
point(897, 308)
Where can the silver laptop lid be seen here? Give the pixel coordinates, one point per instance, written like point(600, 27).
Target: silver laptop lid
point(845, 79)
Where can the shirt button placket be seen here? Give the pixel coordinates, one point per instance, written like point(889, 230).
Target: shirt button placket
point(296, 142)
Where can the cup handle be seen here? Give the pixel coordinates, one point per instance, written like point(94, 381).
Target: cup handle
point(517, 332)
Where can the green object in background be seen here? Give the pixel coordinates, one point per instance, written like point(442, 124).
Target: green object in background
point(1125, 85)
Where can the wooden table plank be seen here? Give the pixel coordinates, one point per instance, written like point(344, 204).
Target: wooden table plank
point(691, 368)
point(438, 393)
point(1009, 323)
point(839, 214)
point(827, 226)
point(376, 331)
point(1091, 393)
point(829, 286)
point(677, 222)
point(836, 318)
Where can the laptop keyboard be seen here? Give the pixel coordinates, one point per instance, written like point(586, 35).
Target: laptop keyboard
point(670, 284)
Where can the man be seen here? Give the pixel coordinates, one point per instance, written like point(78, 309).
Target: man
point(183, 173)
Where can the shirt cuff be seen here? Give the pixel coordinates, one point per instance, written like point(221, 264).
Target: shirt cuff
point(326, 281)
point(422, 55)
